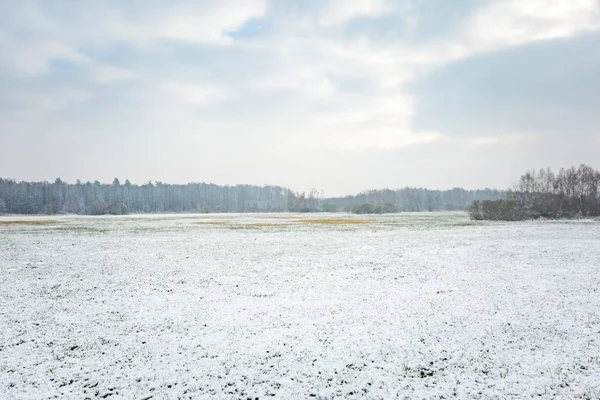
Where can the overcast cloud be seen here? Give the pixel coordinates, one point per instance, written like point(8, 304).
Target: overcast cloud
point(339, 95)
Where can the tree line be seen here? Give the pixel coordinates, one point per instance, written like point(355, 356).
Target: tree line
point(412, 199)
point(116, 198)
point(95, 198)
point(570, 193)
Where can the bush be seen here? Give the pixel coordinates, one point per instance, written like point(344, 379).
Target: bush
point(500, 210)
point(104, 208)
point(371, 209)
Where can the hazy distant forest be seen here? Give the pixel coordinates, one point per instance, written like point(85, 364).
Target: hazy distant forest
point(570, 193)
point(97, 198)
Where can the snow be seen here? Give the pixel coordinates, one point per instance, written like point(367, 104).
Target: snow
point(245, 306)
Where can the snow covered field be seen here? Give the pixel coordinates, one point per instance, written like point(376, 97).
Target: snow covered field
point(298, 306)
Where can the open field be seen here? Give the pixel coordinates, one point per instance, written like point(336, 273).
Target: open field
point(296, 306)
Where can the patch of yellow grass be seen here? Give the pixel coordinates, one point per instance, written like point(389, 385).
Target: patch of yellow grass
point(258, 225)
point(28, 222)
point(334, 221)
point(238, 225)
point(286, 223)
point(265, 224)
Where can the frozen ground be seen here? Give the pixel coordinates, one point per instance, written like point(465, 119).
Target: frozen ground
point(230, 306)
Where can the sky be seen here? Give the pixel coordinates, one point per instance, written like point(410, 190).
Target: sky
point(337, 95)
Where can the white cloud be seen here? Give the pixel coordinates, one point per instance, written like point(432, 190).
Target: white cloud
point(209, 22)
point(355, 123)
point(515, 22)
point(33, 112)
point(35, 57)
point(304, 83)
point(337, 12)
point(106, 74)
point(34, 36)
point(194, 93)
point(484, 140)
point(380, 138)
point(499, 25)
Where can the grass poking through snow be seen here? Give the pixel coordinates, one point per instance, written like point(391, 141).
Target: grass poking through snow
point(28, 222)
point(285, 223)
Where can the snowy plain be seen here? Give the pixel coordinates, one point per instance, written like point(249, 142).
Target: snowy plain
point(289, 306)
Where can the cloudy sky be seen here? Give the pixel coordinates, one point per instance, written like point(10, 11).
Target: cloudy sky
point(339, 95)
